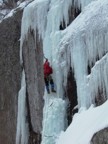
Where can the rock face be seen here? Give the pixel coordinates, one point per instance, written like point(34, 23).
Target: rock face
point(33, 65)
point(10, 76)
point(10, 80)
point(100, 98)
point(72, 96)
point(100, 137)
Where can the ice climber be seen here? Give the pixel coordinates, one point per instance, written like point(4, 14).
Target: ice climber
point(47, 77)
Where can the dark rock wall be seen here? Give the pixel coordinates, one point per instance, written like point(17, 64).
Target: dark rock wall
point(100, 137)
point(73, 13)
point(71, 93)
point(10, 80)
point(100, 98)
point(33, 65)
point(71, 88)
point(10, 76)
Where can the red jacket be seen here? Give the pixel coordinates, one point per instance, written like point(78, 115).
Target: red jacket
point(47, 69)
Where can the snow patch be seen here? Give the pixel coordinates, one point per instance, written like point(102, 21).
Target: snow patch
point(84, 125)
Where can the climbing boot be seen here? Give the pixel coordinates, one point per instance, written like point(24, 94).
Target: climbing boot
point(53, 90)
point(47, 88)
point(48, 91)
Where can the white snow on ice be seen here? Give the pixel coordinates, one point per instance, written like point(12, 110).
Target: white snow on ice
point(84, 125)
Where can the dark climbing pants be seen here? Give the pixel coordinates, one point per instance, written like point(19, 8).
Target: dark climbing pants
point(49, 81)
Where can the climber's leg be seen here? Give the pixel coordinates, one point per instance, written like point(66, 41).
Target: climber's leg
point(52, 84)
point(47, 84)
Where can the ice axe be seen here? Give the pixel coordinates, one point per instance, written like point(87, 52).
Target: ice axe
point(45, 58)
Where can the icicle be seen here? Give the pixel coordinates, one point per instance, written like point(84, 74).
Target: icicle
point(34, 17)
point(86, 39)
point(22, 125)
point(99, 78)
point(82, 3)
